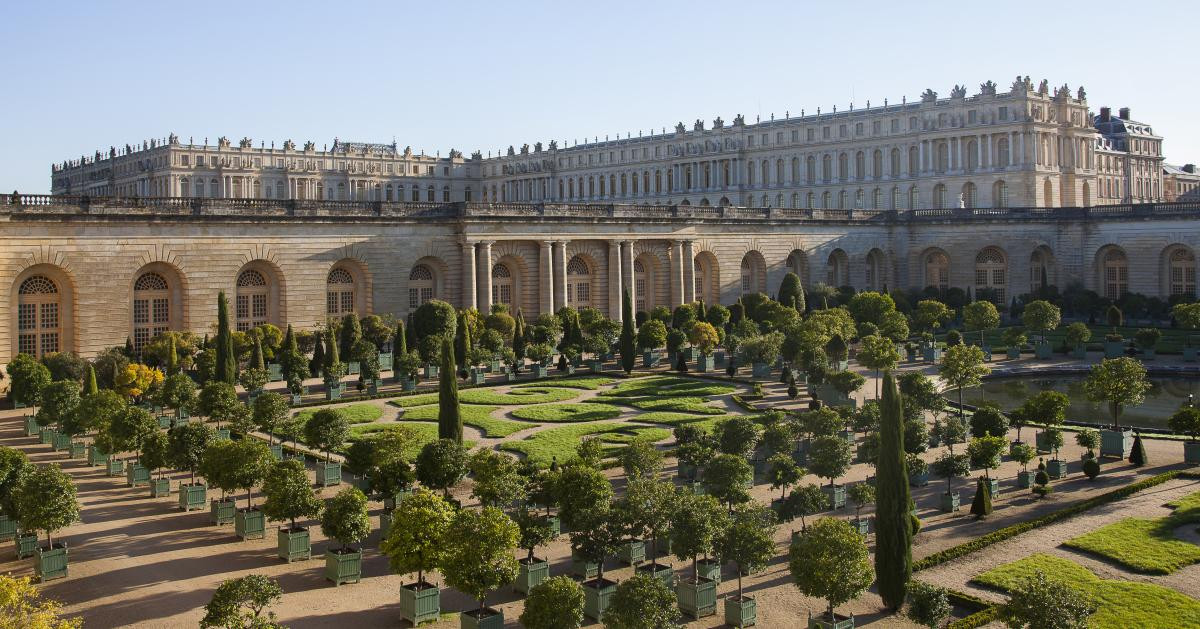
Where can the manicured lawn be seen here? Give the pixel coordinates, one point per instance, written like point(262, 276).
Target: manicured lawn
point(670, 418)
point(420, 399)
point(676, 404)
point(1122, 604)
point(354, 413)
point(662, 386)
point(527, 395)
point(590, 383)
point(541, 447)
point(1146, 545)
point(473, 415)
point(572, 412)
point(426, 433)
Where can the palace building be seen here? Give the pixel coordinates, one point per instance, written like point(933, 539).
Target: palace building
point(982, 191)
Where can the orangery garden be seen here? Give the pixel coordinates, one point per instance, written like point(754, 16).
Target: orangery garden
point(814, 458)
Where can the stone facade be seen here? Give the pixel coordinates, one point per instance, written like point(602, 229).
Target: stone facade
point(1029, 146)
point(1181, 183)
point(83, 273)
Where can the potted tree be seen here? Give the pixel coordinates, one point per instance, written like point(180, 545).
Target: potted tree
point(963, 367)
point(1114, 343)
point(830, 457)
point(241, 602)
point(129, 431)
point(408, 367)
point(596, 531)
point(651, 336)
point(248, 461)
point(44, 499)
point(697, 522)
point(861, 494)
point(1057, 468)
point(783, 473)
point(1023, 454)
point(540, 354)
point(749, 542)
point(1077, 336)
point(186, 445)
point(556, 603)
point(415, 544)
point(984, 453)
point(1186, 421)
point(703, 336)
point(648, 504)
point(830, 561)
point(1147, 339)
point(950, 466)
point(29, 377)
point(345, 519)
point(326, 431)
point(96, 412)
point(535, 531)
point(1015, 339)
point(1041, 316)
point(154, 457)
point(270, 409)
point(442, 464)
point(289, 495)
point(216, 465)
point(333, 369)
point(981, 316)
point(804, 501)
point(219, 402)
point(918, 471)
point(60, 403)
point(13, 464)
point(1089, 440)
point(1188, 318)
point(478, 558)
point(727, 478)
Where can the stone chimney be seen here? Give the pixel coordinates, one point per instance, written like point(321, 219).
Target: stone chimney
point(1105, 114)
point(1124, 113)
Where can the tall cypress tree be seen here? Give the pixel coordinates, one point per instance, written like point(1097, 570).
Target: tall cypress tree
point(318, 358)
point(172, 355)
point(626, 342)
point(90, 383)
point(349, 333)
point(518, 343)
point(256, 354)
point(400, 345)
point(333, 358)
point(449, 414)
point(462, 341)
point(893, 527)
point(226, 367)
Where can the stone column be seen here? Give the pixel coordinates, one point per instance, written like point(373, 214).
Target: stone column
point(560, 274)
point(469, 265)
point(484, 299)
point(614, 280)
point(689, 272)
point(627, 272)
point(677, 292)
point(546, 276)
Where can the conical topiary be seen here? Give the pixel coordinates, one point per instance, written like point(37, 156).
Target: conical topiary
point(681, 365)
point(1137, 456)
point(981, 506)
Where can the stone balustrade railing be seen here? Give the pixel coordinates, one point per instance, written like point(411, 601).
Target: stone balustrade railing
point(44, 204)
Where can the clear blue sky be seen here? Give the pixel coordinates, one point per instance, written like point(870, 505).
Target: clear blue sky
point(80, 76)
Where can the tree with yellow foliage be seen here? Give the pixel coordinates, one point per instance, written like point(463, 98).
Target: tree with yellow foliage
point(137, 380)
point(21, 607)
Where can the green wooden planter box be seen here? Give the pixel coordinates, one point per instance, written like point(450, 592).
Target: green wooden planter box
point(50, 563)
point(556, 525)
point(760, 371)
point(659, 571)
point(77, 451)
point(333, 392)
point(164, 421)
point(835, 495)
point(431, 371)
point(408, 384)
point(862, 525)
point(46, 436)
point(632, 553)
point(710, 569)
point(222, 433)
point(116, 467)
point(529, 574)
point(697, 600)
point(1013, 353)
point(1191, 452)
point(478, 376)
point(62, 442)
point(1116, 443)
point(1024, 480)
point(1079, 351)
point(597, 595)
point(705, 364)
point(192, 497)
point(277, 451)
point(222, 511)
point(249, 524)
point(31, 426)
point(362, 483)
point(948, 503)
point(540, 371)
point(1114, 349)
point(343, 567)
point(595, 365)
point(491, 619)
point(274, 372)
point(160, 487)
point(1043, 351)
point(390, 502)
point(420, 602)
point(136, 475)
point(1056, 469)
point(8, 528)
point(931, 354)
point(650, 359)
point(1042, 442)
point(582, 568)
point(353, 367)
point(994, 487)
point(741, 612)
point(822, 621)
point(687, 472)
point(26, 544)
point(386, 361)
point(329, 473)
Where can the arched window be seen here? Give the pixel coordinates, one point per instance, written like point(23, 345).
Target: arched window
point(842, 199)
point(969, 195)
point(877, 164)
point(754, 273)
point(877, 199)
point(860, 166)
point(972, 155)
point(826, 200)
point(766, 173)
point(937, 270)
point(421, 286)
point(640, 287)
point(1002, 153)
point(914, 161)
point(1182, 272)
point(502, 285)
point(914, 198)
point(875, 276)
point(339, 293)
point(943, 157)
point(1040, 267)
point(843, 167)
point(810, 169)
point(151, 308)
point(39, 320)
point(579, 283)
point(252, 295)
point(838, 269)
point(826, 168)
point(1116, 274)
point(750, 173)
point(991, 275)
point(1000, 194)
point(939, 196)
point(895, 165)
